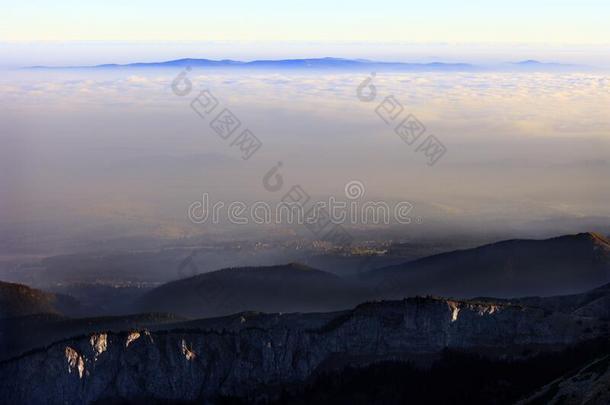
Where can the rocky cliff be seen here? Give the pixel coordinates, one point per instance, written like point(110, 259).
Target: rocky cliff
point(247, 355)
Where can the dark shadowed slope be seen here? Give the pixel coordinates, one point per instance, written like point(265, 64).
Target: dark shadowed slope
point(563, 265)
point(20, 300)
point(595, 302)
point(515, 268)
point(284, 288)
point(22, 334)
point(589, 385)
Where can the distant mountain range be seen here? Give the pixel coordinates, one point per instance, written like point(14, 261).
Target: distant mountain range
point(515, 268)
point(327, 63)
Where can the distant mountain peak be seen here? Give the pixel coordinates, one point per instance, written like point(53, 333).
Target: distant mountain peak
point(594, 237)
point(597, 237)
point(292, 287)
point(299, 266)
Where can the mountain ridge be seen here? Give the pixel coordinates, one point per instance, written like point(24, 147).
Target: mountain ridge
point(18, 300)
point(324, 63)
point(561, 265)
point(590, 236)
point(279, 288)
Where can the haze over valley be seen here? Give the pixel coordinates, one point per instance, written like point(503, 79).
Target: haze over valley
point(305, 202)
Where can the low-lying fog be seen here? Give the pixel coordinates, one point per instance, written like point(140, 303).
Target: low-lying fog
point(90, 155)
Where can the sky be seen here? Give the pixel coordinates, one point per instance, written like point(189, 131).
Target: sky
point(474, 21)
point(69, 32)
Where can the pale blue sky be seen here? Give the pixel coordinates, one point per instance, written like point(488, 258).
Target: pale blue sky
point(475, 21)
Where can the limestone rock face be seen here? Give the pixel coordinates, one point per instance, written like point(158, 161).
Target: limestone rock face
point(239, 355)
